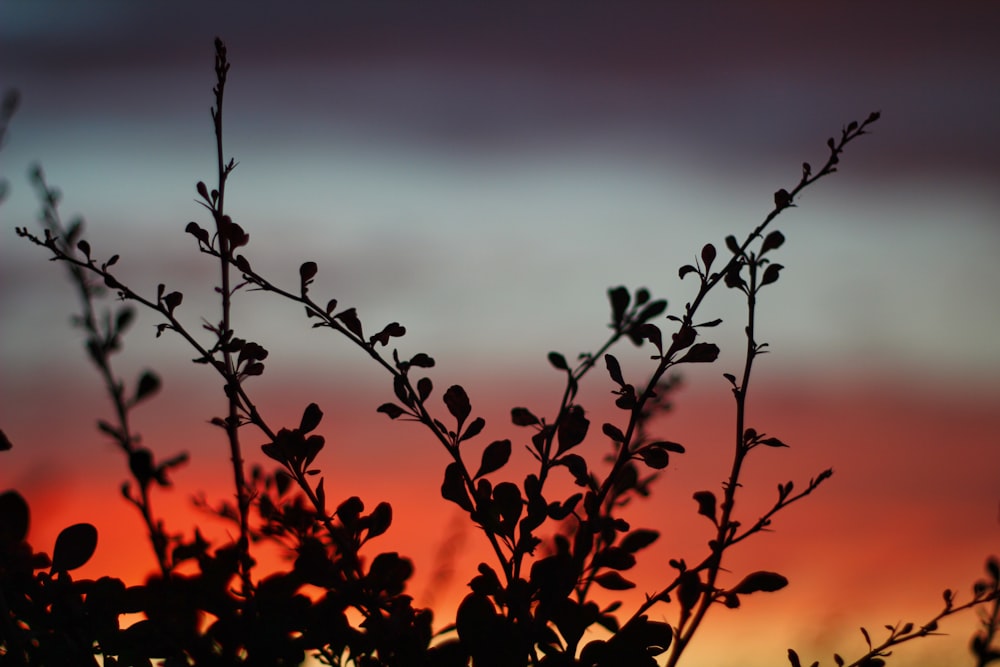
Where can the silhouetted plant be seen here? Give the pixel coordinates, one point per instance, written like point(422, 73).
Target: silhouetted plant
point(533, 605)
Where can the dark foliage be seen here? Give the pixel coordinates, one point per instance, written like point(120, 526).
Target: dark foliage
point(342, 601)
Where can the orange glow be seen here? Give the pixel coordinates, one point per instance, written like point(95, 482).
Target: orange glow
point(910, 510)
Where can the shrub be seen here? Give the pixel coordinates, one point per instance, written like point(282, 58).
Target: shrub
point(340, 602)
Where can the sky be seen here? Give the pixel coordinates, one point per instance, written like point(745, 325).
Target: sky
point(483, 174)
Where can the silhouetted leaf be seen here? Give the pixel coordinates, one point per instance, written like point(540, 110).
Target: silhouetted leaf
point(4, 442)
point(772, 442)
point(14, 519)
point(701, 353)
point(782, 199)
point(733, 245)
point(707, 255)
point(733, 278)
point(149, 384)
point(615, 558)
point(195, 230)
point(307, 271)
point(771, 274)
point(350, 320)
point(74, 547)
point(558, 361)
point(613, 581)
point(577, 467)
point(379, 520)
point(422, 360)
point(772, 241)
point(614, 369)
point(391, 409)
point(391, 330)
point(655, 457)
point(474, 429)
point(424, 387)
point(619, 298)
point(507, 498)
point(686, 269)
point(613, 432)
point(84, 247)
point(706, 503)
point(639, 539)
point(523, 417)
point(172, 300)
point(762, 581)
point(649, 332)
point(495, 456)
point(311, 418)
point(453, 487)
point(349, 511)
point(572, 429)
point(689, 590)
point(654, 309)
point(793, 658)
point(457, 402)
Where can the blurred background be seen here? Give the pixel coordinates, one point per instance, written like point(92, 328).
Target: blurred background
point(483, 175)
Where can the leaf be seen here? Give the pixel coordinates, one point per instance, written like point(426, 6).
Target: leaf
point(453, 487)
point(457, 402)
point(706, 503)
point(307, 271)
point(708, 255)
point(124, 319)
point(674, 447)
point(172, 300)
point(149, 384)
point(310, 418)
point(639, 539)
point(654, 309)
point(615, 558)
point(195, 230)
point(613, 581)
point(614, 369)
point(701, 353)
point(391, 409)
point(14, 520)
point(773, 442)
point(771, 274)
point(733, 245)
point(793, 658)
point(474, 429)
point(782, 199)
point(84, 247)
point(577, 467)
point(4, 442)
point(762, 581)
point(422, 360)
point(572, 429)
point(772, 241)
point(558, 361)
point(391, 330)
point(350, 319)
point(523, 417)
point(655, 457)
point(74, 547)
point(689, 590)
point(495, 456)
point(424, 387)
point(686, 269)
point(613, 432)
point(379, 520)
point(619, 298)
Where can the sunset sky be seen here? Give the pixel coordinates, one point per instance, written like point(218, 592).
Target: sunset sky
point(483, 174)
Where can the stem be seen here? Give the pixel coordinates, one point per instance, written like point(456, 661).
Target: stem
point(232, 421)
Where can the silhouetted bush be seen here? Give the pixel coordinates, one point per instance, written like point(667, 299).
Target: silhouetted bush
point(533, 605)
